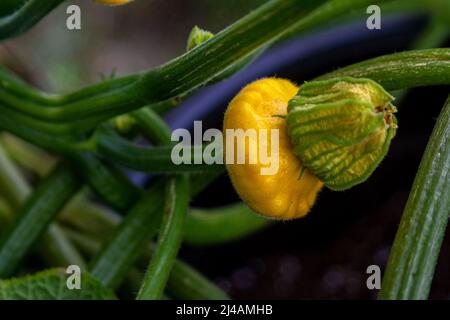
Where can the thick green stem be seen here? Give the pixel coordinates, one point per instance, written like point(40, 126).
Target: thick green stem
point(90, 218)
point(123, 248)
point(193, 69)
point(126, 244)
point(169, 240)
point(153, 126)
point(40, 209)
point(418, 241)
point(402, 70)
point(186, 283)
point(433, 36)
point(53, 247)
point(220, 225)
point(27, 155)
point(107, 181)
point(149, 159)
point(12, 185)
point(56, 250)
point(395, 71)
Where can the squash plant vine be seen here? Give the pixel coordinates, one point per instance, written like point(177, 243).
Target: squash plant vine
point(81, 128)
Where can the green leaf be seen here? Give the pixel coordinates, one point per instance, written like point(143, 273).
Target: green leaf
point(52, 285)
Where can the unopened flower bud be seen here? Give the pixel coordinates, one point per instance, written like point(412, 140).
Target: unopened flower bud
point(197, 37)
point(124, 123)
point(341, 129)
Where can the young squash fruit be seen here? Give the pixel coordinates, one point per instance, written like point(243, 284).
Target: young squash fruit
point(333, 133)
point(292, 190)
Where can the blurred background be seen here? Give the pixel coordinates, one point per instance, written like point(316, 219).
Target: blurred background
point(323, 256)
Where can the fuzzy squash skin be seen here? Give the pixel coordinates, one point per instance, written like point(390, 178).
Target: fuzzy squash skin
point(292, 190)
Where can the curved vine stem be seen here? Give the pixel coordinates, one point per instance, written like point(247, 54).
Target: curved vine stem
point(184, 281)
point(53, 246)
point(149, 159)
point(40, 209)
point(418, 241)
point(12, 185)
point(256, 30)
point(169, 240)
point(220, 225)
point(394, 71)
point(63, 123)
point(140, 225)
point(402, 70)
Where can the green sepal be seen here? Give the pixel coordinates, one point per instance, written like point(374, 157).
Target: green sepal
point(197, 37)
point(341, 129)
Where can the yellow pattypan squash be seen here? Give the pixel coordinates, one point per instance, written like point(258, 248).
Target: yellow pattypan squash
point(292, 190)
